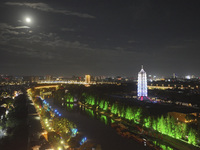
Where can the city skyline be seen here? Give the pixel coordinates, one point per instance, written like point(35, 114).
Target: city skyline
point(108, 38)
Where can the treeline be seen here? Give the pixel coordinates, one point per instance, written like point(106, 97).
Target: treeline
point(15, 122)
point(131, 113)
point(164, 124)
point(98, 98)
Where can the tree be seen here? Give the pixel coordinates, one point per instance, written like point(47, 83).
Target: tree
point(87, 146)
point(63, 127)
point(147, 122)
point(192, 137)
point(75, 141)
point(154, 123)
point(161, 125)
point(9, 102)
point(53, 138)
point(45, 114)
point(190, 117)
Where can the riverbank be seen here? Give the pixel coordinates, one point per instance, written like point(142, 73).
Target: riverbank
point(142, 134)
point(96, 131)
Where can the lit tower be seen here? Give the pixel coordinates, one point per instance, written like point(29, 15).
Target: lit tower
point(142, 84)
point(87, 79)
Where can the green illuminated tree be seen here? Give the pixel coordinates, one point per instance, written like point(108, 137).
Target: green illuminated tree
point(89, 112)
point(147, 122)
point(178, 132)
point(101, 104)
point(129, 113)
point(122, 112)
point(105, 105)
point(169, 125)
point(114, 108)
point(69, 98)
point(137, 113)
point(89, 99)
point(154, 123)
point(192, 137)
point(161, 125)
point(184, 129)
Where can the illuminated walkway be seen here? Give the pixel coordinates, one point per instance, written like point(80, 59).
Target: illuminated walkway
point(34, 125)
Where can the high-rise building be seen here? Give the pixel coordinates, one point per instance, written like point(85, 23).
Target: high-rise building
point(142, 83)
point(174, 76)
point(35, 79)
point(87, 78)
point(48, 77)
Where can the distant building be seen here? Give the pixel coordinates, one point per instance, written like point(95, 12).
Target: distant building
point(48, 77)
point(189, 77)
point(174, 76)
point(87, 78)
point(142, 84)
point(35, 79)
point(184, 117)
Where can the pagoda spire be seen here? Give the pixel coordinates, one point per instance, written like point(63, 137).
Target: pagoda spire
point(142, 83)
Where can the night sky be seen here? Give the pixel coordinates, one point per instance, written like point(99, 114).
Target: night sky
point(100, 37)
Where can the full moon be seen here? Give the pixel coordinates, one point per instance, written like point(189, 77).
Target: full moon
point(28, 20)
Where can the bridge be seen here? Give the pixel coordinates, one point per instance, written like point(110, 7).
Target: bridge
point(47, 86)
point(75, 82)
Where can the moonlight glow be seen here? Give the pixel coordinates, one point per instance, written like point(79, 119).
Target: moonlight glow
point(28, 20)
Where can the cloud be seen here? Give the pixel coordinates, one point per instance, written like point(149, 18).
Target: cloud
point(67, 29)
point(47, 8)
point(22, 27)
point(176, 46)
point(51, 50)
point(132, 41)
point(119, 49)
point(6, 30)
point(6, 26)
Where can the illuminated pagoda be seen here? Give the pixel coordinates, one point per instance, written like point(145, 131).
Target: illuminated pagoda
point(142, 85)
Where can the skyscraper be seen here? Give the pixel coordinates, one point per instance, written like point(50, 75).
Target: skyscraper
point(142, 84)
point(87, 78)
point(48, 77)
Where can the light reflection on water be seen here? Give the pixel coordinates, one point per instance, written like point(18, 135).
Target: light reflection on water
point(107, 121)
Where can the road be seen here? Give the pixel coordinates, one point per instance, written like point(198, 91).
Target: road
point(35, 127)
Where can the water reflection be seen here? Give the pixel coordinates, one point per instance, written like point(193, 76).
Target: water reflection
point(89, 112)
point(104, 119)
point(164, 147)
point(70, 106)
point(108, 121)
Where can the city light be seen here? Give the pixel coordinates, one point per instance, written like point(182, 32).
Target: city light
point(83, 141)
point(118, 112)
point(59, 148)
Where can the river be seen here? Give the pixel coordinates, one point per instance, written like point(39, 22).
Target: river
point(97, 131)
